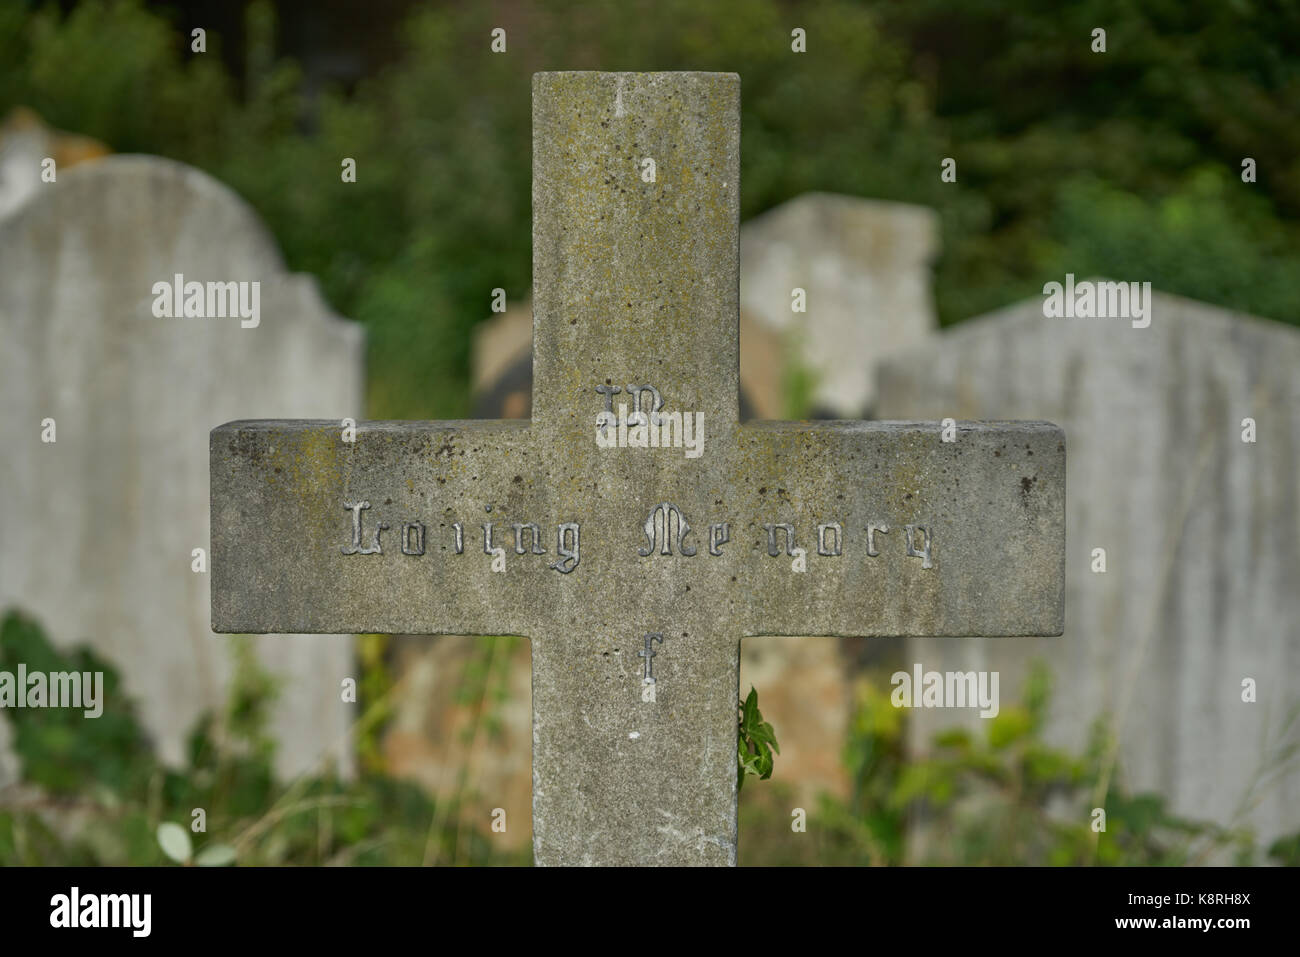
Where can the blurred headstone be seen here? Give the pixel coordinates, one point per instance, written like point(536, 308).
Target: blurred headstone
point(462, 727)
point(100, 525)
point(502, 357)
point(1202, 547)
point(864, 270)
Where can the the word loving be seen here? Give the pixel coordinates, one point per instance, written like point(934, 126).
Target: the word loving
point(664, 524)
point(412, 534)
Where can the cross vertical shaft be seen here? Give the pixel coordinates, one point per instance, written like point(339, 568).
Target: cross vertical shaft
point(636, 205)
point(636, 283)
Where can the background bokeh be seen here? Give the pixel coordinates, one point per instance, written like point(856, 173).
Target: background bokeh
point(1064, 156)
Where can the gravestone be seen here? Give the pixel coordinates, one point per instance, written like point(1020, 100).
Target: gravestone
point(99, 526)
point(864, 267)
point(502, 357)
point(1202, 556)
point(635, 571)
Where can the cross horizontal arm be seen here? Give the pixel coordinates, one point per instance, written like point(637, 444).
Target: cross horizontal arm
point(904, 533)
point(312, 533)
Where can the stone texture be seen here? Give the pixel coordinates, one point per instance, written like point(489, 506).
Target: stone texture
point(99, 526)
point(1203, 555)
point(865, 266)
point(636, 282)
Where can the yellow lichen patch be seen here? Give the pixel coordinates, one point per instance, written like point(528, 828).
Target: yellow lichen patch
point(307, 466)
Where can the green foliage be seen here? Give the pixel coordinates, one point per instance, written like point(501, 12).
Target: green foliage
point(798, 384)
point(113, 71)
point(375, 686)
point(485, 684)
point(755, 742)
point(1002, 797)
point(175, 843)
point(92, 791)
point(1213, 244)
point(61, 749)
point(1128, 139)
point(1286, 851)
point(1125, 164)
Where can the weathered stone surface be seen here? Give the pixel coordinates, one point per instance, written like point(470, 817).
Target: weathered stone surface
point(280, 527)
point(1202, 551)
point(98, 527)
point(636, 282)
point(865, 267)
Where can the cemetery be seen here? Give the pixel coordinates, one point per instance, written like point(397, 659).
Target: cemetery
point(266, 578)
point(422, 552)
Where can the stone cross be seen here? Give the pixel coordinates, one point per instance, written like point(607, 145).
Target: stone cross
point(634, 502)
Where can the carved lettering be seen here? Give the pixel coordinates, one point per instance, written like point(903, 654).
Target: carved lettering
point(409, 547)
point(821, 539)
point(719, 534)
point(649, 653)
point(652, 531)
point(606, 418)
point(924, 553)
point(771, 538)
point(657, 403)
point(535, 538)
point(871, 538)
point(569, 556)
point(356, 548)
point(664, 523)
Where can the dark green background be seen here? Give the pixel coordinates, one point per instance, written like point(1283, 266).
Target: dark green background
point(1125, 164)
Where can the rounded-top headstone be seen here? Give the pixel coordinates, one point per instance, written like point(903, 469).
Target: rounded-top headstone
point(101, 524)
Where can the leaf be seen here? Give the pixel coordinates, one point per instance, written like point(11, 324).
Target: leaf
point(755, 741)
point(1011, 725)
point(175, 842)
point(215, 855)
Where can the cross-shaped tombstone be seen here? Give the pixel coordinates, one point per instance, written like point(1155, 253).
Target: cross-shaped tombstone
point(586, 530)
